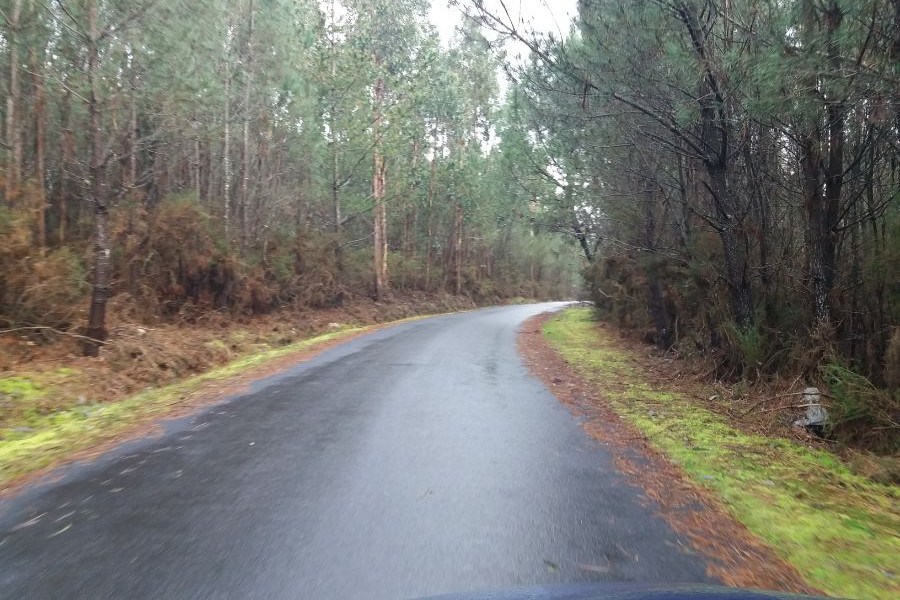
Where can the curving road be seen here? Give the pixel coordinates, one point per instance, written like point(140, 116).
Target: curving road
point(420, 459)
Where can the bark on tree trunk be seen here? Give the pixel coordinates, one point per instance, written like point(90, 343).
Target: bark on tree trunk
point(332, 126)
point(429, 251)
point(226, 159)
point(40, 121)
point(133, 136)
point(715, 129)
point(457, 248)
point(834, 173)
point(737, 267)
point(656, 299)
point(245, 143)
point(195, 171)
point(96, 328)
point(66, 151)
point(582, 240)
point(411, 212)
point(379, 229)
point(13, 128)
point(577, 228)
point(378, 188)
point(131, 186)
point(822, 183)
point(816, 228)
point(335, 186)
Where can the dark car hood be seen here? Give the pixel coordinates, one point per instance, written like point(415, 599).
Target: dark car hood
point(619, 591)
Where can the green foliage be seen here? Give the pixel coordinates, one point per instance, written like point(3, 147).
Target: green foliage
point(617, 290)
point(738, 250)
point(860, 413)
point(750, 346)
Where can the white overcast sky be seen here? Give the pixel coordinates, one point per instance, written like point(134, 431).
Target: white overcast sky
point(545, 16)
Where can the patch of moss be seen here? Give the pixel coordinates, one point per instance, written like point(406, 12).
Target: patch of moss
point(840, 530)
point(20, 389)
point(24, 397)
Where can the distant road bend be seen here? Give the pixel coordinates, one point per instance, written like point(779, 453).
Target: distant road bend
point(420, 459)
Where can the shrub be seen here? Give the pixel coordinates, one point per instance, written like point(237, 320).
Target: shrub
point(860, 413)
point(748, 348)
point(37, 286)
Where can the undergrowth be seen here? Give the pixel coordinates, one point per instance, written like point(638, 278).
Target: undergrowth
point(840, 530)
point(860, 412)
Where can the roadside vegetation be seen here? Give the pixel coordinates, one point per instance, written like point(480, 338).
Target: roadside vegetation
point(51, 413)
point(40, 439)
point(837, 527)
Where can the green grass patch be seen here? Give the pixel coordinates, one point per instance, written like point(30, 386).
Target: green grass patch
point(38, 441)
point(30, 388)
point(840, 530)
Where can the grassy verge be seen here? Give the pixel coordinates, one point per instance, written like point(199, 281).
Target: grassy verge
point(841, 531)
point(38, 441)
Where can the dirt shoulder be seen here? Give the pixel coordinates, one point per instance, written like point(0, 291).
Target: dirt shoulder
point(764, 511)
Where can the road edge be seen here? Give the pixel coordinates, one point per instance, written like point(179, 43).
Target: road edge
point(188, 397)
point(733, 554)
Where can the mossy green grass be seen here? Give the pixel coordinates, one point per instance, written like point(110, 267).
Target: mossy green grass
point(841, 531)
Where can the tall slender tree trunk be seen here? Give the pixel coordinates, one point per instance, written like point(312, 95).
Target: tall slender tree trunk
point(245, 138)
point(761, 195)
point(457, 248)
point(196, 169)
point(860, 171)
point(410, 209)
point(822, 183)
point(131, 183)
point(816, 227)
point(66, 150)
point(13, 100)
point(655, 297)
point(133, 137)
point(332, 126)
point(96, 329)
point(335, 158)
point(380, 228)
point(40, 123)
point(335, 186)
point(715, 125)
point(834, 172)
point(429, 233)
point(226, 157)
point(378, 189)
point(737, 259)
point(429, 251)
point(409, 232)
point(577, 228)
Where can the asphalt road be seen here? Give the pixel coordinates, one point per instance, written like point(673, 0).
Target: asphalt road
point(416, 460)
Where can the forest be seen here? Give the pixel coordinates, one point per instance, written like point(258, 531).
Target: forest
point(720, 176)
point(731, 172)
point(167, 158)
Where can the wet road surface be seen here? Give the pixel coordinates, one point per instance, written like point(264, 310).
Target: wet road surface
point(416, 460)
